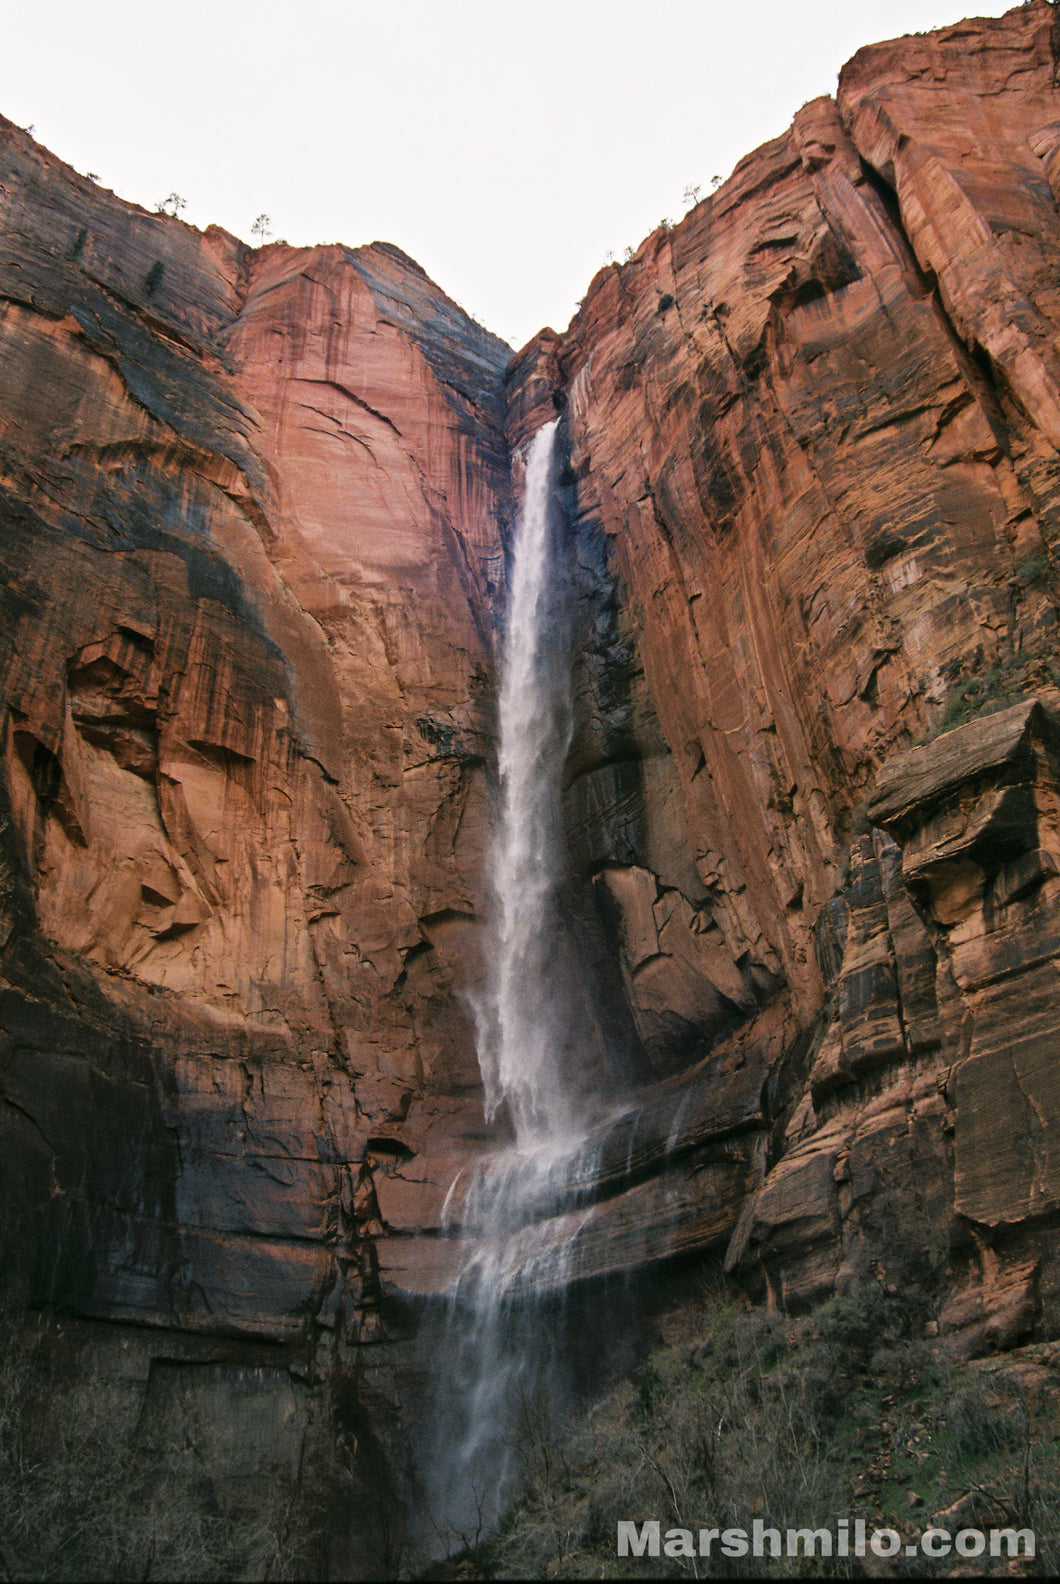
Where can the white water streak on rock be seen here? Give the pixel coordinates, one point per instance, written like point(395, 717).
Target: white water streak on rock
point(520, 1033)
point(522, 1209)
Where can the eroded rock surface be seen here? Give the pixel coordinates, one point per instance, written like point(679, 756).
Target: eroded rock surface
point(813, 422)
point(253, 511)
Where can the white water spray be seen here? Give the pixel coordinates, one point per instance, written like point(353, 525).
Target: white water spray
point(516, 1356)
point(520, 1019)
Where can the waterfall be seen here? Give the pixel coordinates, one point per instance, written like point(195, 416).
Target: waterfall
point(517, 1344)
point(520, 1030)
point(505, 1336)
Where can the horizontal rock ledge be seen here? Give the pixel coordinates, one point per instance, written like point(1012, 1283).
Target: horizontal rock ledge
point(715, 1101)
point(692, 1209)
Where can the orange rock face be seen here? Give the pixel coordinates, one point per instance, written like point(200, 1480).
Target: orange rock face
point(815, 421)
point(253, 509)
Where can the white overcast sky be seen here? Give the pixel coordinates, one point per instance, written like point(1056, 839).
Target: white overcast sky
point(508, 149)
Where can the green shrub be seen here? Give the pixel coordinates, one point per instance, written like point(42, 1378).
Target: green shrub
point(153, 276)
point(78, 243)
point(787, 1421)
point(856, 1321)
point(1001, 684)
point(977, 1424)
point(666, 300)
point(1032, 568)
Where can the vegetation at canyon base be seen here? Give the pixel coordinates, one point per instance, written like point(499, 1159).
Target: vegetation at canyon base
point(738, 1414)
point(735, 1414)
point(83, 1496)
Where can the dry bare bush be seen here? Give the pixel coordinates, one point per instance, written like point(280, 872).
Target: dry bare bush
point(80, 1501)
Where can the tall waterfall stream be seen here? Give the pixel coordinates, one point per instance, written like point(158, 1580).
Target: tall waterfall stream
point(518, 1029)
point(517, 1212)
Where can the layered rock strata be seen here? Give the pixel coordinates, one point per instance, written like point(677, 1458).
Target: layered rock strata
point(921, 1148)
point(813, 422)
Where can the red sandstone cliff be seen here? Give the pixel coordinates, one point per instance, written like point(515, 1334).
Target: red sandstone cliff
point(816, 421)
point(254, 507)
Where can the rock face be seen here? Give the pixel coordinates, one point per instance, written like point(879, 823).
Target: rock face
point(813, 423)
point(255, 507)
point(921, 1144)
point(253, 510)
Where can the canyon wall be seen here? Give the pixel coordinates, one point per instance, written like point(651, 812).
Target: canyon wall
point(253, 512)
point(255, 509)
point(816, 423)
